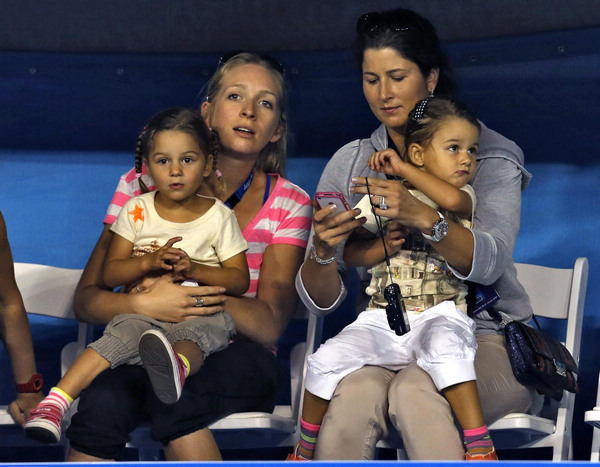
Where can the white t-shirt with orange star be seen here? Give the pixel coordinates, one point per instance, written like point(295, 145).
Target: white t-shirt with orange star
point(210, 239)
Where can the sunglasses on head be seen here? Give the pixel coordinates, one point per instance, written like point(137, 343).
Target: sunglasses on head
point(376, 22)
point(266, 58)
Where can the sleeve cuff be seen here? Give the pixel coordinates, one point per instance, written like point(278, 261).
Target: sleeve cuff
point(308, 301)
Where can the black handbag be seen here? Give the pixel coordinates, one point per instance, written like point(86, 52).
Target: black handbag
point(540, 361)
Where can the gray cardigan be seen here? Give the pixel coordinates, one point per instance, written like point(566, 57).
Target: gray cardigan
point(498, 181)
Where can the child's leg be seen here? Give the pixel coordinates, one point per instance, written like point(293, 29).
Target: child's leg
point(367, 341)
point(175, 353)
point(313, 411)
point(44, 422)
point(188, 350)
point(464, 400)
point(447, 352)
point(83, 371)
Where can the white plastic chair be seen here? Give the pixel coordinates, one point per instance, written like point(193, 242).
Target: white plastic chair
point(47, 291)
point(557, 294)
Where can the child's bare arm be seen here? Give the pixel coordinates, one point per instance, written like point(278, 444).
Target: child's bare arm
point(365, 250)
point(120, 268)
point(442, 193)
point(233, 273)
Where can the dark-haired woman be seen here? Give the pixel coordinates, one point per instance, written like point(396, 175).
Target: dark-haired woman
point(401, 62)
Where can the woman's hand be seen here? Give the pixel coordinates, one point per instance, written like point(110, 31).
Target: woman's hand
point(165, 300)
point(402, 206)
point(332, 228)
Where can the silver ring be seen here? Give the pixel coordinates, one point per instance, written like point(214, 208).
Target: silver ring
point(137, 287)
point(199, 302)
point(382, 205)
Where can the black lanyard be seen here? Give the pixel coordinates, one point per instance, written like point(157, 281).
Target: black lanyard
point(392, 145)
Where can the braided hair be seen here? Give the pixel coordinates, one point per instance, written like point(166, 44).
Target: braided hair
point(178, 119)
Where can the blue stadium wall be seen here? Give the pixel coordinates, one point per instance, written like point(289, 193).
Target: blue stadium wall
point(68, 125)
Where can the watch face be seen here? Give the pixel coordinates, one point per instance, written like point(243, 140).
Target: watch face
point(440, 230)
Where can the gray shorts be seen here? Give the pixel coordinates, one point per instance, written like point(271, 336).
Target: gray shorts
point(119, 343)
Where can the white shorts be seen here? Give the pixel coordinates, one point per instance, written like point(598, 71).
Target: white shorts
point(441, 341)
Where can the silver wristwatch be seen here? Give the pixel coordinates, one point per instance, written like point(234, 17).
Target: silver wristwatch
point(439, 230)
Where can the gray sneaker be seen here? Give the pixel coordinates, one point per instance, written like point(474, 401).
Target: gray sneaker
point(165, 368)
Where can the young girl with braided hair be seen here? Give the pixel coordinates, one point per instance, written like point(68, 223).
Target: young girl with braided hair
point(441, 142)
point(179, 152)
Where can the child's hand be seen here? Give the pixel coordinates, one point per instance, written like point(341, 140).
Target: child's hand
point(166, 256)
point(387, 161)
point(183, 267)
point(395, 237)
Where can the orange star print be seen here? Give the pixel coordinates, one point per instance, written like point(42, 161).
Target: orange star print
point(137, 213)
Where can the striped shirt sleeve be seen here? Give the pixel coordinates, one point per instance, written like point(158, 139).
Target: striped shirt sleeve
point(127, 188)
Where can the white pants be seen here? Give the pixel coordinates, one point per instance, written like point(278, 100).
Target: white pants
point(441, 341)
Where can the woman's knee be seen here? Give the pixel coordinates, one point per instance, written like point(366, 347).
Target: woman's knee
point(411, 392)
point(499, 391)
point(357, 416)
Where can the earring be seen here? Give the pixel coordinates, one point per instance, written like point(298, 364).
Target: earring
point(431, 93)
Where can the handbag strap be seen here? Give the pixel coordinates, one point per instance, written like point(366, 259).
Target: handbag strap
point(498, 317)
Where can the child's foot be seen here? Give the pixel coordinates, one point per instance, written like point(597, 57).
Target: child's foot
point(482, 456)
point(165, 368)
point(294, 456)
point(44, 423)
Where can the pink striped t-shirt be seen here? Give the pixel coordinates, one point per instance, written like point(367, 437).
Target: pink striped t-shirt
point(285, 218)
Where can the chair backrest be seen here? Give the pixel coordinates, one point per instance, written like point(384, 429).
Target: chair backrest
point(47, 290)
point(559, 294)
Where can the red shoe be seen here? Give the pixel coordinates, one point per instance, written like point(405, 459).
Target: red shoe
point(165, 368)
point(487, 456)
point(44, 423)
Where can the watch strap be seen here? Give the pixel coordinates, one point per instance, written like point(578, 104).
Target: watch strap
point(433, 238)
point(35, 384)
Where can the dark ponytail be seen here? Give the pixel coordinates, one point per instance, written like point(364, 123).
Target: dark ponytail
point(139, 160)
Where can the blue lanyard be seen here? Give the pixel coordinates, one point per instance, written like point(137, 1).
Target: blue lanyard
point(241, 191)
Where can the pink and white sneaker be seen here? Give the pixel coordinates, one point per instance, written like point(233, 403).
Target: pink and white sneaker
point(44, 423)
point(165, 368)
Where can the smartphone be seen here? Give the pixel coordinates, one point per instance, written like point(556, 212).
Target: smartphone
point(326, 199)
